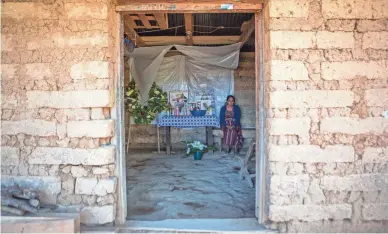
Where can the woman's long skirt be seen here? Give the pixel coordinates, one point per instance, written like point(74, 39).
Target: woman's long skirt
point(233, 137)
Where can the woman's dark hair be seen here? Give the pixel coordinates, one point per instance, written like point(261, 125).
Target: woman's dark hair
point(231, 96)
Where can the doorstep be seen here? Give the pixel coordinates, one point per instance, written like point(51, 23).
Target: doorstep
point(99, 229)
point(245, 225)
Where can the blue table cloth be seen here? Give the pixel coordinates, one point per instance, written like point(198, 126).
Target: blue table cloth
point(189, 121)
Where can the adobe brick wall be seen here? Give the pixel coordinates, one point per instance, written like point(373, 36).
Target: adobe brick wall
point(328, 85)
point(327, 75)
point(57, 73)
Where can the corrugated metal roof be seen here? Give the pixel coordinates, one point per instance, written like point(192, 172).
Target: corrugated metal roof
point(230, 21)
point(203, 25)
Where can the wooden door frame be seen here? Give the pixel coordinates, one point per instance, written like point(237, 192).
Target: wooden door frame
point(160, 6)
point(262, 178)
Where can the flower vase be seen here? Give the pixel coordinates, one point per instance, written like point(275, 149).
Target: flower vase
point(198, 155)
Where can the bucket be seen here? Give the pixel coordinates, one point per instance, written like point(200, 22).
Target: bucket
point(198, 155)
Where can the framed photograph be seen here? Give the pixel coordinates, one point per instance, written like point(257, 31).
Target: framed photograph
point(204, 100)
point(178, 101)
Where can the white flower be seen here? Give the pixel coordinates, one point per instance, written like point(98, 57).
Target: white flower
point(195, 146)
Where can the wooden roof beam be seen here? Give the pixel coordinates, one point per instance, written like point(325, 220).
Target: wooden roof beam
point(181, 40)
point(188, 7)
point(243, 55)
point(247, 28)
point(145, 20)
point(130, 21)
point(122, 2)
point(162, 20)
point(148, 17)
point(189, 28)
point(132, 34)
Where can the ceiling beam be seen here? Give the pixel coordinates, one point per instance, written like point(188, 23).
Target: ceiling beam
point(130, 21)
point(132, 34)
point(162, 20)
point(144, 20)
point(243, 55)
point(209, 7)
point(189, 28)
point(149, 17)
point(122, 2)
point(247, 28)
point(163, 40)
point(181, 40)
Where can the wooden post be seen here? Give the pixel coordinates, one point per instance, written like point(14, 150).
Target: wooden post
point(118, 113)
point(262, 208)
point(168, 140)
point(257, 110)
point(157, 132)
point(209, 136)
point(129, 132)
point(162, 20)
point(189, 28)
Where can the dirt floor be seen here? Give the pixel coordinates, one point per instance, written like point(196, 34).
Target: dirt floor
point(171, 187)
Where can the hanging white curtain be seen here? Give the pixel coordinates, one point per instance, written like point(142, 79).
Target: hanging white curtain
point(171, 74)
point(221, 56)
point(144, 63)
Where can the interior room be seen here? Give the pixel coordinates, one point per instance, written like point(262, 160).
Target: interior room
point(179, 70)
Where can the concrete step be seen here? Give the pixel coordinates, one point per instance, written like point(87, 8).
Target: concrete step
point(41, 223)
point(245, 225)
point(99, 229)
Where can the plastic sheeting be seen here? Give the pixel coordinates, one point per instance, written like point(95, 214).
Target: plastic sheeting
point(201, 69)
point(171, 74)
point(205, 77)
point(222, 56)
point(144, 63)
point(182, 73)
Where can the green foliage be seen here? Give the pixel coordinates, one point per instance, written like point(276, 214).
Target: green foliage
point(145, 114)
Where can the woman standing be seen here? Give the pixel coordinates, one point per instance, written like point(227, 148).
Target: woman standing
point(230, 115)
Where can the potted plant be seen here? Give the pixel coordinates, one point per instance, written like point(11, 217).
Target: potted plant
point(197, 148)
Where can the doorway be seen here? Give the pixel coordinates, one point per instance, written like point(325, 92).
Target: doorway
point(260, 188)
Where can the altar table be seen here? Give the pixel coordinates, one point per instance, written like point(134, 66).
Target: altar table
point(207, 121)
